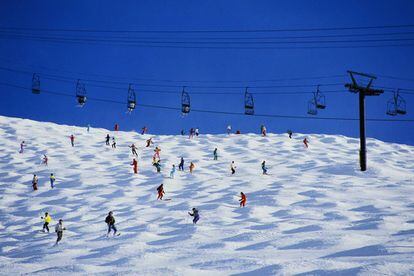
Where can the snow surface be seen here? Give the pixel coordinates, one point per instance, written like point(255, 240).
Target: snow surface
point(315, 214)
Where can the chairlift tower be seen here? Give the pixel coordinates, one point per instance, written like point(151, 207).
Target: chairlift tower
point(363, 91)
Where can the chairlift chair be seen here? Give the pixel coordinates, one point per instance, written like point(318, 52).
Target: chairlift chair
point(185, 102)
point(248, 103)
point(396, 105)
point(319, 99)
point(391, 110)
point(36, 84)
point(80, 93)
point(131, 99)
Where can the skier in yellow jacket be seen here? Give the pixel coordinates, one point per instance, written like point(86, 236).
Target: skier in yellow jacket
point(47, 219)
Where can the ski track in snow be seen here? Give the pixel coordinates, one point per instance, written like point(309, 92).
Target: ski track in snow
point(315, 214)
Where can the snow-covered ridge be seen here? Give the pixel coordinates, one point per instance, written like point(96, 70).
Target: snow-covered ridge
point(316, 213)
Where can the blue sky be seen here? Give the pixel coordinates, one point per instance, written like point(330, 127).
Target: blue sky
point(196, 67)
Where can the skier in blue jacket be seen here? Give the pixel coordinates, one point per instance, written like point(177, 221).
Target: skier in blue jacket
point(195, 215)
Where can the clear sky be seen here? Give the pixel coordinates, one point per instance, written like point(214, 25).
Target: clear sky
point(215, 78)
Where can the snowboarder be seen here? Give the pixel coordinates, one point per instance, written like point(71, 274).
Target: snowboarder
point(35, 180)
point(264, 169)
point(305, 142)
point(59, 231)
point(22, 145)
point(196, 132)
point(149, 142)
point(160, 191)
point(228, 129)
point(45, 159)
point(116, 127)
point(157, 152)
point(107, 139)
point(172, 172)
point(215, 154)
point(232, 168)
point(192, 166)
point(133, 149)
point(243, 199)
point(72, 140)
point(195, 215)
point(144, 130)
point(47, 219)
point(181, 165)
point(135, 165)
point(113, 143)
point(290, 133)
point(52, 180)
point(110, 221)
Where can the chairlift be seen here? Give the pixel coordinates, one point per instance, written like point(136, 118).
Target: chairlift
point(80, 93)
point(35, 84)
point(248, 103)
point(185, 102)
point(131, 98)
point(396, 105)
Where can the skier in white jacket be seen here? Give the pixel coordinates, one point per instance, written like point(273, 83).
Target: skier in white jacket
point(59, 230)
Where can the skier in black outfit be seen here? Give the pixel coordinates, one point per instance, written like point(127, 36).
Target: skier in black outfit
point(290, 133)
point(107, 139)
point(110, 221)
point(195, 215)
point(181, 165)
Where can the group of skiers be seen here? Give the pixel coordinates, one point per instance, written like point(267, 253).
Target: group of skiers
point(110, 220)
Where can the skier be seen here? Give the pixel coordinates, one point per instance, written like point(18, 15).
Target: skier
point(160, 191)
point(192, 166)
point(196, 132)
point(157, 152)
point(172, 171)
point(290, 133)
point(52, 180)
point(228, 129)
point(238, 132)
point(107, 139)
point(113, 143)
point(195, 215)
point(243, 199)
point(232, 168)
point(135, 165)
point(22, 145)
point(110, 221)
point(157, 164)
point(47, 219)
point(264, 169)
point(116, 127)
point(88, 127)
point(59, 231)
point(181, 165)
point(144, 130)
point(149, 142)
point(263, 130)
point(191, 133)
point(134, 149)
point(45, 159)
point(215, 154)
point(182, 132)
point(305, 142)
point(35, 180)
point(72, 140)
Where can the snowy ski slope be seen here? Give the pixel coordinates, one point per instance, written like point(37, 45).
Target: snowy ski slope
point(315, 214)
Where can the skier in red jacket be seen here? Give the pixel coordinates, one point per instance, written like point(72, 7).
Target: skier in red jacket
point(135, 165)
point(243, 199)
point(72, 140)
point(305, 142)
point(160, 191)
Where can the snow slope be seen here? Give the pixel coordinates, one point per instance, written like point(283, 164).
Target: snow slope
point(315, 214)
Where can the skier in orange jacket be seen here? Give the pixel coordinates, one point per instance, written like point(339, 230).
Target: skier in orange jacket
point(192, 166)
point(243, 199)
